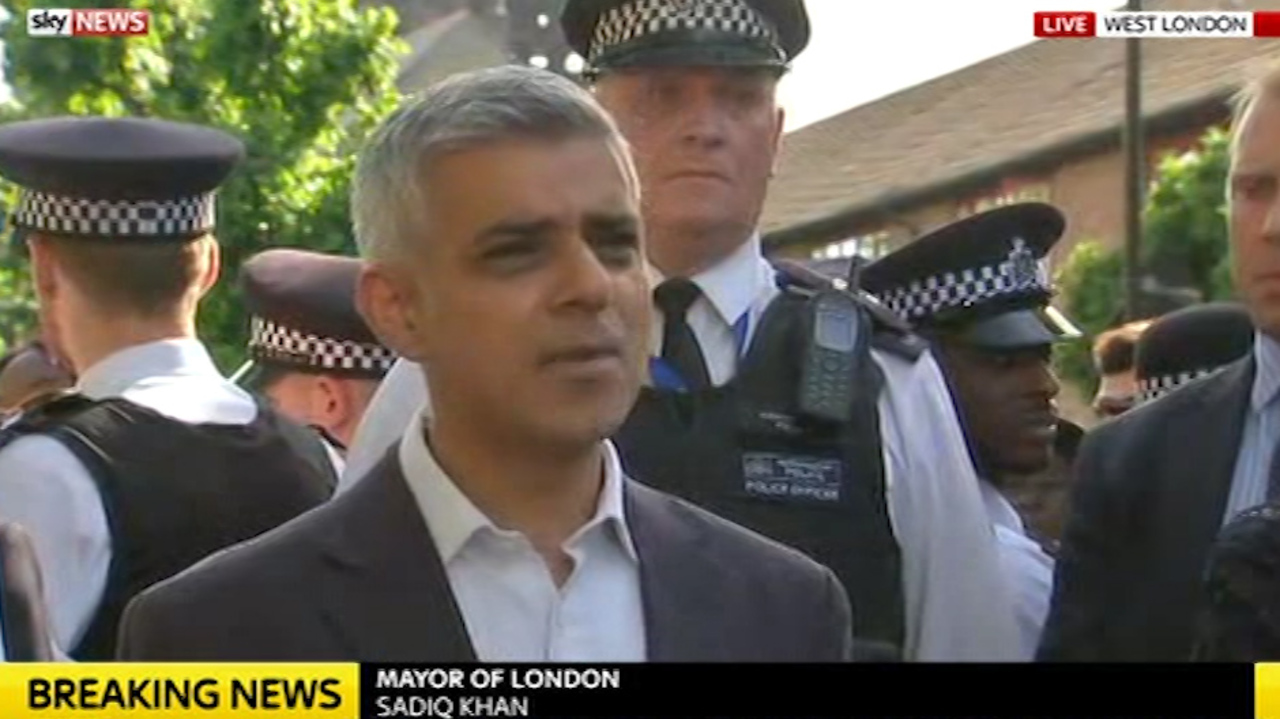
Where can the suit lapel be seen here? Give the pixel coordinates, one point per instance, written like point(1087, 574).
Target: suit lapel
point(682, 619)
point(386, 593)
point(1214, 428)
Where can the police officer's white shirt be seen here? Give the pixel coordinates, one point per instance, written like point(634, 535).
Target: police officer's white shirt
point(47, 490)
point(1027, 567)
point(513, 610)
point(958, 607)
point(335, 457)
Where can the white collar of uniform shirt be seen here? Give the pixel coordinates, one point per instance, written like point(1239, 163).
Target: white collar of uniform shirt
point(732, 286)
point(453, 519)
point(126, 368)
point(999, 509)
point(1266, 353)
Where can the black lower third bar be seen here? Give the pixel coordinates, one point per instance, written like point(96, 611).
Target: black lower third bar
point(750, 691)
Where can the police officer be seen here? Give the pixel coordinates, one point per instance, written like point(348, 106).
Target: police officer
point(977, 291)
point(312, 353)
point(863, 465)
point(157, 460)
point(1188, 344)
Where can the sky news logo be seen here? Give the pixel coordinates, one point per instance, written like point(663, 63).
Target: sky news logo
point(105, 22)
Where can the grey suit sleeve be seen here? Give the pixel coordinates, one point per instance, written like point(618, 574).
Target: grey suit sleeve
point(1074, 628)
point(834, 642)
point(143, 635)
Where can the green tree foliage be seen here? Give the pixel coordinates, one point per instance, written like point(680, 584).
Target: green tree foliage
point(1185, 245)
point(300, 81)
point(1091, 283)
point(1185, 221)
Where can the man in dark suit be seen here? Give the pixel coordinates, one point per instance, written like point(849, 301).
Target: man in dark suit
point(499, 217)
point(1155, 485)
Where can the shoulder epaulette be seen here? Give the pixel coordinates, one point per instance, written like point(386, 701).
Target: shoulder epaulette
point(43, 415)
point(892, 334)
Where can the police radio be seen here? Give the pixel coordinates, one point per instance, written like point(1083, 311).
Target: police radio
point(837, 341)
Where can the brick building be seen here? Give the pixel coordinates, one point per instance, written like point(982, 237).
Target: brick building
point(1040, 122)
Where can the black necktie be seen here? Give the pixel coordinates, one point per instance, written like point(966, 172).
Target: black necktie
point(680, 347)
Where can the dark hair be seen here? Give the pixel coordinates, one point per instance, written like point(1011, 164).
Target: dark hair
point(139, 278)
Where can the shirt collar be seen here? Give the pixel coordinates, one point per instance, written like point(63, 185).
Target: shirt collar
point(453, 519)
point(733, 284)
point(999, 510)
point(1266, 383)
point(118, 372)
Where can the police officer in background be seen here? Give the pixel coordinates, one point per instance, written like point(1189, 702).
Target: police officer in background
point(1188, 344)
point(862, 465)
point(313, 355)
point(977, 290)
point(157, 460)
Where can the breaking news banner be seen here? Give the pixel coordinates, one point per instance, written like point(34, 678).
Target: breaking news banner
point(636, 691)
point(1158, 24)
point(86, 22)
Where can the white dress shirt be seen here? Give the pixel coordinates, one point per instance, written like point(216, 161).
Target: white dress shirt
point(513, 610)
point(1027, 567)
point(1261, 432)
point(958, 607)
point(46, 489)
point(335, 457)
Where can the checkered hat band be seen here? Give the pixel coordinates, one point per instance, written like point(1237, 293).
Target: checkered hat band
point(271, 341)
point(116, 218)
point(641, 18)
point(1150, 388)
point(950, 290)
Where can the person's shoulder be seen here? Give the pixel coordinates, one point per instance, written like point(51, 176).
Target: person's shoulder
point(748, 551)
point(195, 399)
point(30, 443)
point(279, 558)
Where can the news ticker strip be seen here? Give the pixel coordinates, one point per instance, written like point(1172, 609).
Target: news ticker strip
point(657, 691)
point(1158, 24)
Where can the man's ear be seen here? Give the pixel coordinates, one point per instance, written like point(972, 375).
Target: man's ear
point(44, 265)
point(211, 263)
point(385, 299)
point(331, 402)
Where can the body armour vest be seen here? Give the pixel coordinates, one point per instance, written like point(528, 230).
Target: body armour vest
point(746, 452)
point(174, 493)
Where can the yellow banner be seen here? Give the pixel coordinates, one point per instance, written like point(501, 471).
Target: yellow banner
point(1266, 691)
point(179, 691)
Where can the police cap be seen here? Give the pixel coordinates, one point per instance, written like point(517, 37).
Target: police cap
point(303, 315)
point(612, 34)
point(1190, 343)
point(116, 178)
point(980, 278)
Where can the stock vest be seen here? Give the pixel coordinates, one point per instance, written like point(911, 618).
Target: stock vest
point(746, 452)
point(173, 492)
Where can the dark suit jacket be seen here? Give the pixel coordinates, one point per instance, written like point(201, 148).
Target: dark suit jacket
point(360, 579)
point(1149, 498)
